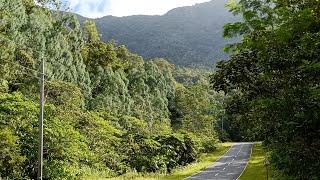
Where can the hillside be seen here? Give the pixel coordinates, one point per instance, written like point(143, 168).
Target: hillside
point(107, 111)
point(188, 36)
point(104, 111)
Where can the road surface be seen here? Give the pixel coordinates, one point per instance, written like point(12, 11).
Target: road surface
point(228, 167)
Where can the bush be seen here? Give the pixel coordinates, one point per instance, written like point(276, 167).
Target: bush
point(10, 158)
point(159, 153)
point(208, 144)
point(142, 153)
point(68, 152)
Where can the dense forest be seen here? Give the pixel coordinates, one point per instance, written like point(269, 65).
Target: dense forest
point(107, 110)
point(186, 36)
point(272, 81)
point(110, 111)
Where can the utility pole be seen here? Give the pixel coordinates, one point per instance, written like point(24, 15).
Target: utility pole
point(40, 152)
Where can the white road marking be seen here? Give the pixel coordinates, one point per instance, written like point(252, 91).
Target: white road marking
point(227, 164)
point(252, 145)
point(232, 147)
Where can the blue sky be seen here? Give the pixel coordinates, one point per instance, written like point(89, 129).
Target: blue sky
point(99, 8)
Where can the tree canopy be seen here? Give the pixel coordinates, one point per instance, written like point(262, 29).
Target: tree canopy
point(272, 78)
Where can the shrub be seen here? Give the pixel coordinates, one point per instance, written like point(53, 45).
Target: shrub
point(209, 144)
point(10, 158)
point(159, 153)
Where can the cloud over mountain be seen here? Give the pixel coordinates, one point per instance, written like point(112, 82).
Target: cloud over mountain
point(99, 8)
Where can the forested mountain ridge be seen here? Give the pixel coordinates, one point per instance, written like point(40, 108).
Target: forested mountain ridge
point(188, 36)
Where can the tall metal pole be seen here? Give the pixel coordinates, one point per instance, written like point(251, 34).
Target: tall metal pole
point(40, 152)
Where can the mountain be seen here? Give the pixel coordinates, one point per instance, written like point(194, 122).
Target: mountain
point(186, 36)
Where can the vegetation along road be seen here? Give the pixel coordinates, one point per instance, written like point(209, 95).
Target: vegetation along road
point(229, 166)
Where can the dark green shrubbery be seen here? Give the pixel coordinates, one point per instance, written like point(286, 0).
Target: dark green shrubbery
point(273, 80)
point(159, 153)
point(209, 144)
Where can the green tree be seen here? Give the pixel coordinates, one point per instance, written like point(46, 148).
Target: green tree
point(11, 160)
point(273, 74)
point(90, 32)
point(107, 110)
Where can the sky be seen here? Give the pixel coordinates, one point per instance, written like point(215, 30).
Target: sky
point(100, 8)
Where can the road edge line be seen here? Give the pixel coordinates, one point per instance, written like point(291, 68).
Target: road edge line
point(213, 162)
point(247, 162)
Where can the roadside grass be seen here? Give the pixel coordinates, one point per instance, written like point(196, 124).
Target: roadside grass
point(204, 161)
point(255, 168)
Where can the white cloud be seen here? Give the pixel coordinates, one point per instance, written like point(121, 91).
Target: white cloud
point(89, 8)
point(147, 7)
point(99, 8)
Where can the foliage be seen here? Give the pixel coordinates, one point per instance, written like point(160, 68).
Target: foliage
point(64, 94)
point(159, 153)
point(273, 76)
point(255, 168)
point(108, 112)
point(203, 115)
point(191, 76)
point(123, 84)
point(202, 163)
point(58, 42)
point(11, 160)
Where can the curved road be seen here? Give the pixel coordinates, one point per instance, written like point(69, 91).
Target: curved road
point(228, 167)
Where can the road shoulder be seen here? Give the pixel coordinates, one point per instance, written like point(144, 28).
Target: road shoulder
point(255, 168)
point(229, 166)
point(204, 162)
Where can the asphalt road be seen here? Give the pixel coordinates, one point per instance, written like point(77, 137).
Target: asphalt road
point(230, 166)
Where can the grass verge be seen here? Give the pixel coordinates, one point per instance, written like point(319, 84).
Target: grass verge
point(255, 168)
point(204, 161)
